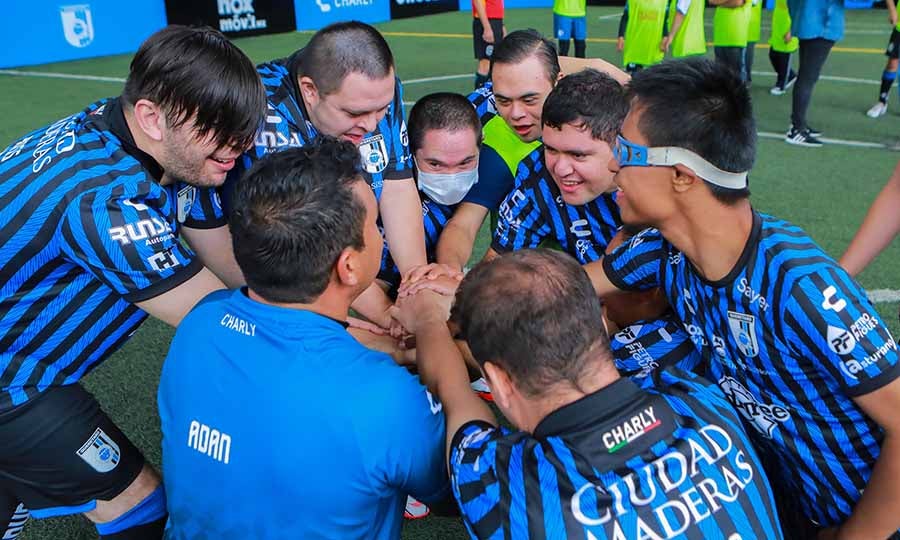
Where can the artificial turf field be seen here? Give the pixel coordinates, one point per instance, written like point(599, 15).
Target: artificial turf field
point(825, 190)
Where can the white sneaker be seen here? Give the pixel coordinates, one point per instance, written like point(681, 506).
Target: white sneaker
point(415, 509)
point(879, 109)
point(480, 386)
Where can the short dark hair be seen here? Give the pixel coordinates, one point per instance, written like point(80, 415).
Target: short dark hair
point(535, 314)
point(343, 48)
point(587, 97)
point(294, 212)
point(521, 44)
point(197, 71)
point(441, 110)
point(703, 106)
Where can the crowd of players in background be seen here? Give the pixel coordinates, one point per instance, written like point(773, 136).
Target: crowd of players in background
point(664, 375)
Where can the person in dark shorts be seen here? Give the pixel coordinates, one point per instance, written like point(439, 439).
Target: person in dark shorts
point(487, 31)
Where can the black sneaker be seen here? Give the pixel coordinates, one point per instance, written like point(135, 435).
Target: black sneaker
point(812, 131)
point(802, 138)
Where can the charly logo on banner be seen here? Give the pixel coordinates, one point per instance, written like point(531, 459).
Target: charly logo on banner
point(78, 27)
point(414, 8)
point(314, 14)
point(234, 17)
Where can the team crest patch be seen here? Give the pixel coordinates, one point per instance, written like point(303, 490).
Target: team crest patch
point(373, 152)
point(186, 196)
point(743, 329)
point(100, 452)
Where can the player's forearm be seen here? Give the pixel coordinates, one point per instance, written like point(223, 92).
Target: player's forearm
point(877, 513)
point(373, 304)
point(401, 215)
point(455, 246)
point(602, 285)
point(676, 23)
point(481, 11)
point(443, 371)
point(880, 226)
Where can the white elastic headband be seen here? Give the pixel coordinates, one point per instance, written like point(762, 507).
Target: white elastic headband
point(673, 155)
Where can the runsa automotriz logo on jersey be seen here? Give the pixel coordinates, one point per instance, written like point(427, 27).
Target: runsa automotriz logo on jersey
point(239, 16)
point(764, 417)
point(153, 230)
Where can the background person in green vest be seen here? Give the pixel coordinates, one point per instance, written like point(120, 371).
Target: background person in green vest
point(753, 33)
point(781, 44)
point(570, 22)
point(642, 29)
point(890, 69)
point(731, 27)
point(687, 36)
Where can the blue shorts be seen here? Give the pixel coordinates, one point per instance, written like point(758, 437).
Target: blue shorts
point(566, 28)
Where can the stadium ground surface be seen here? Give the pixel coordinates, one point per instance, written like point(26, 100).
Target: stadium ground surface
point(825, 190)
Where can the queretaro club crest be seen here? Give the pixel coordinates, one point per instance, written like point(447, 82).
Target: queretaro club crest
point(78, 27)
point(743, 329)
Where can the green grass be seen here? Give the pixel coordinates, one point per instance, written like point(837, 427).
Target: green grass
point(827, 190)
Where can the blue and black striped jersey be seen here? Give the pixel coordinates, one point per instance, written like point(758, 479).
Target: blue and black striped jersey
point(87, 232)
point(483, 101)
point(384, 153)
point(435, 217)
point(672, 461)
point(645, 346)
point(535, 211)
point(790, 339)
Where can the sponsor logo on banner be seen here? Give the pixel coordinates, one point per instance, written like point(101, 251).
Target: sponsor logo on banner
point(78, 27)
point(100, 452)
point(239, 16)
point(415, 8)
point(743, 330)
point(374, 154)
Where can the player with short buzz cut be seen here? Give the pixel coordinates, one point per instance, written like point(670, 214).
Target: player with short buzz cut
point(245, 453)
point(343, 84)
point(96, 207)
point(790, 338)
point(590, 454)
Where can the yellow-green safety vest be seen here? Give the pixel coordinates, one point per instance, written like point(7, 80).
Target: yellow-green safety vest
point(691, 37)
point(731, 26)
point(646, 19)
point(781, 25)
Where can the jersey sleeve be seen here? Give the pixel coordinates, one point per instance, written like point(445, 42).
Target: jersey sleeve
point(683, 6)
point(411, 457)
point(520, 224)
point(473, 462)
point(207, 211)
point(495, 180)
point(393, 126)
point(483, 101)
point(636, 264)
point(829, 319)
point(127, 243)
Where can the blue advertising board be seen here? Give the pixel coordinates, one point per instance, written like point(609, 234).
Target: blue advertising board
point(55, 31)
point(314, 14)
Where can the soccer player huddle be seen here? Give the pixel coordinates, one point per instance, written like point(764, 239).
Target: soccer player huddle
point(669, 361)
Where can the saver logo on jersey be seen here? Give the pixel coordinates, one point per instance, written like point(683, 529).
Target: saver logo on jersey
point(374, 154)
point(764, 417)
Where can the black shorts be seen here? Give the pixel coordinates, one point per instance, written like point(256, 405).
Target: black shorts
point(483, 49)
point(893, 48)
point(60, 453)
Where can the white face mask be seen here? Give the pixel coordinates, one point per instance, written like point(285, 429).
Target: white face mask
point(447, 188)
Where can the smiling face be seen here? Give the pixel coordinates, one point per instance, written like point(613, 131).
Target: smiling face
point(519, 92)
point(351, 111)
point(578, 163)
point(645, 195)
point(195, 160)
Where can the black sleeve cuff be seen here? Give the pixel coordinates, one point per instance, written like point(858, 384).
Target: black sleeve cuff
point(870, 385)
point(613, 277)
point(160, 287)
point(460, 433)
point(499, 248)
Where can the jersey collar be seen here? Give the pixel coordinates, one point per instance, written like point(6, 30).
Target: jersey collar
point(283, 315)
point(114, 115)
point(599, 407)
point(744, 260)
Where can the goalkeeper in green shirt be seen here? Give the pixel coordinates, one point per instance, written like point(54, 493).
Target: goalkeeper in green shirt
point(570, 22)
